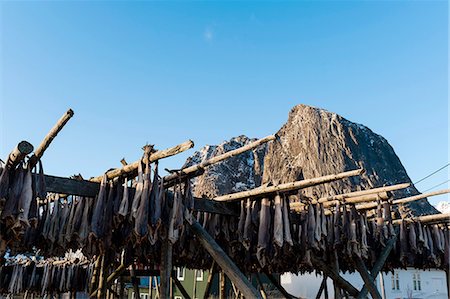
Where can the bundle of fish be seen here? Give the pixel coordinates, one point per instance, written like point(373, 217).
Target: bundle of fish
point(20, 190)
point(45, 276)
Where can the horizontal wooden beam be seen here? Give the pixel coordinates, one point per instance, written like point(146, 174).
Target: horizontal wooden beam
point(352, 195)
point(443, 218)
point(22, 149)
point(90, 189)
point(373, 205)
point(130, 169)
point(262, 191)
point(198, 169)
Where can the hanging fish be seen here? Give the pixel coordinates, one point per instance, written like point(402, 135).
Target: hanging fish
point(263, 232)
point(286, 222)
point(247, 236)
point(26, 196)
point(403, 244)
point(10, 210)
point(97, 223)
point(137, 195)
point(278, 222)
point(311, 227)
point(124, 204)
point(337, 226)
point(241, 224)
point(364, 229)
point(412, 237)
point(141, 223)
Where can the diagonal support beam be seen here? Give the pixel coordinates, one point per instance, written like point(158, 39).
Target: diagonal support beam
point(380, 263)
point(344, 284)
point(223, 260)
point(181, 287)
point(367, 278)
point(277, 284)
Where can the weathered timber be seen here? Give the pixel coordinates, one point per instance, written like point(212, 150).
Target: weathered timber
point(427, 218)
point(22, 149)
point(90, 189)
point(111, 278)
point(222, 259)
point(379, 263)
point(39, 152)
point(198, 169)
point(166, 268)
point(209, 281)
point(263, 291)
point(180, 287)
point(261, 191)
point(353, 200)
point(398, 201)
point(341, 282)
point(322, 287)
point(135, 281)
point(131, 169)
point(367, 278)
point(101, 277)
point(222, 285)
point(71, 186)
point(277, 284)
point(355, 194)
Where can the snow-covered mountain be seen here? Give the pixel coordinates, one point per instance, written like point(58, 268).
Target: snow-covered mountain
point(312, 143)
point(443, 206)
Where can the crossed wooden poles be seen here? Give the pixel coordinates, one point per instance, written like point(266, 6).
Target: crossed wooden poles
point(219, 205)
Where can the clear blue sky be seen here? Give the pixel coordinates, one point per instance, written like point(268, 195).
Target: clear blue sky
point(158, 72)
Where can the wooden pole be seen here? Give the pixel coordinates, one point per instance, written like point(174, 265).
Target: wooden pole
point(22, 149)
point(367, 278)
point(209, 281)
point(326, 287)
point(355, 194)
point(277, 284)
point(322, 287)
point(222, 294)
point(379, 263)
point(181, 287)
point(352, 200)
point(427, 218)
point(150, 287)
point(101, 277)
point(197, 169)
point(261, 191)
point(222, 259)
point(373, 205)
point(116, 273)
point(39, 152)
point(95, 272)
point(135, 282)
point(194, 287)
point(166, 268)
point(130, 169)
point(263, 291)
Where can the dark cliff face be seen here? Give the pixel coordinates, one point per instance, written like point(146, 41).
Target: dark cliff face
point(313, 142)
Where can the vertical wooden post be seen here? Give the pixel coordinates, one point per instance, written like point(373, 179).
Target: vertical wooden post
point(166, 268)
point(121, 288)
point(322, 287)
point(101, 277)
point(150, 287)
point(326, 287)
point(337, 289)
point(382, 286)
point(263, 292)
point(194, 289)
point(222, 294)
point(209, 281)
point(135, 282)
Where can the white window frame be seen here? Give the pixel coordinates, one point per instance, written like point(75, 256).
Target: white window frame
point(181, 273)
point(197, 277)
point(178, 297)
point(395, 281)
point(417, 284)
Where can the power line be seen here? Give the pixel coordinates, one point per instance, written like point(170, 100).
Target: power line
point(432, 173)
point(436, 186)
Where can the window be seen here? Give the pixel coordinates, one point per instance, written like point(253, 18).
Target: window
point(416, 281)
point(178, 297)
point(199, 275)
point(395, 282)
point(181, 273)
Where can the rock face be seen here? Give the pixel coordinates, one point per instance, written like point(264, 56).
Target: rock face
point(313, 142)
